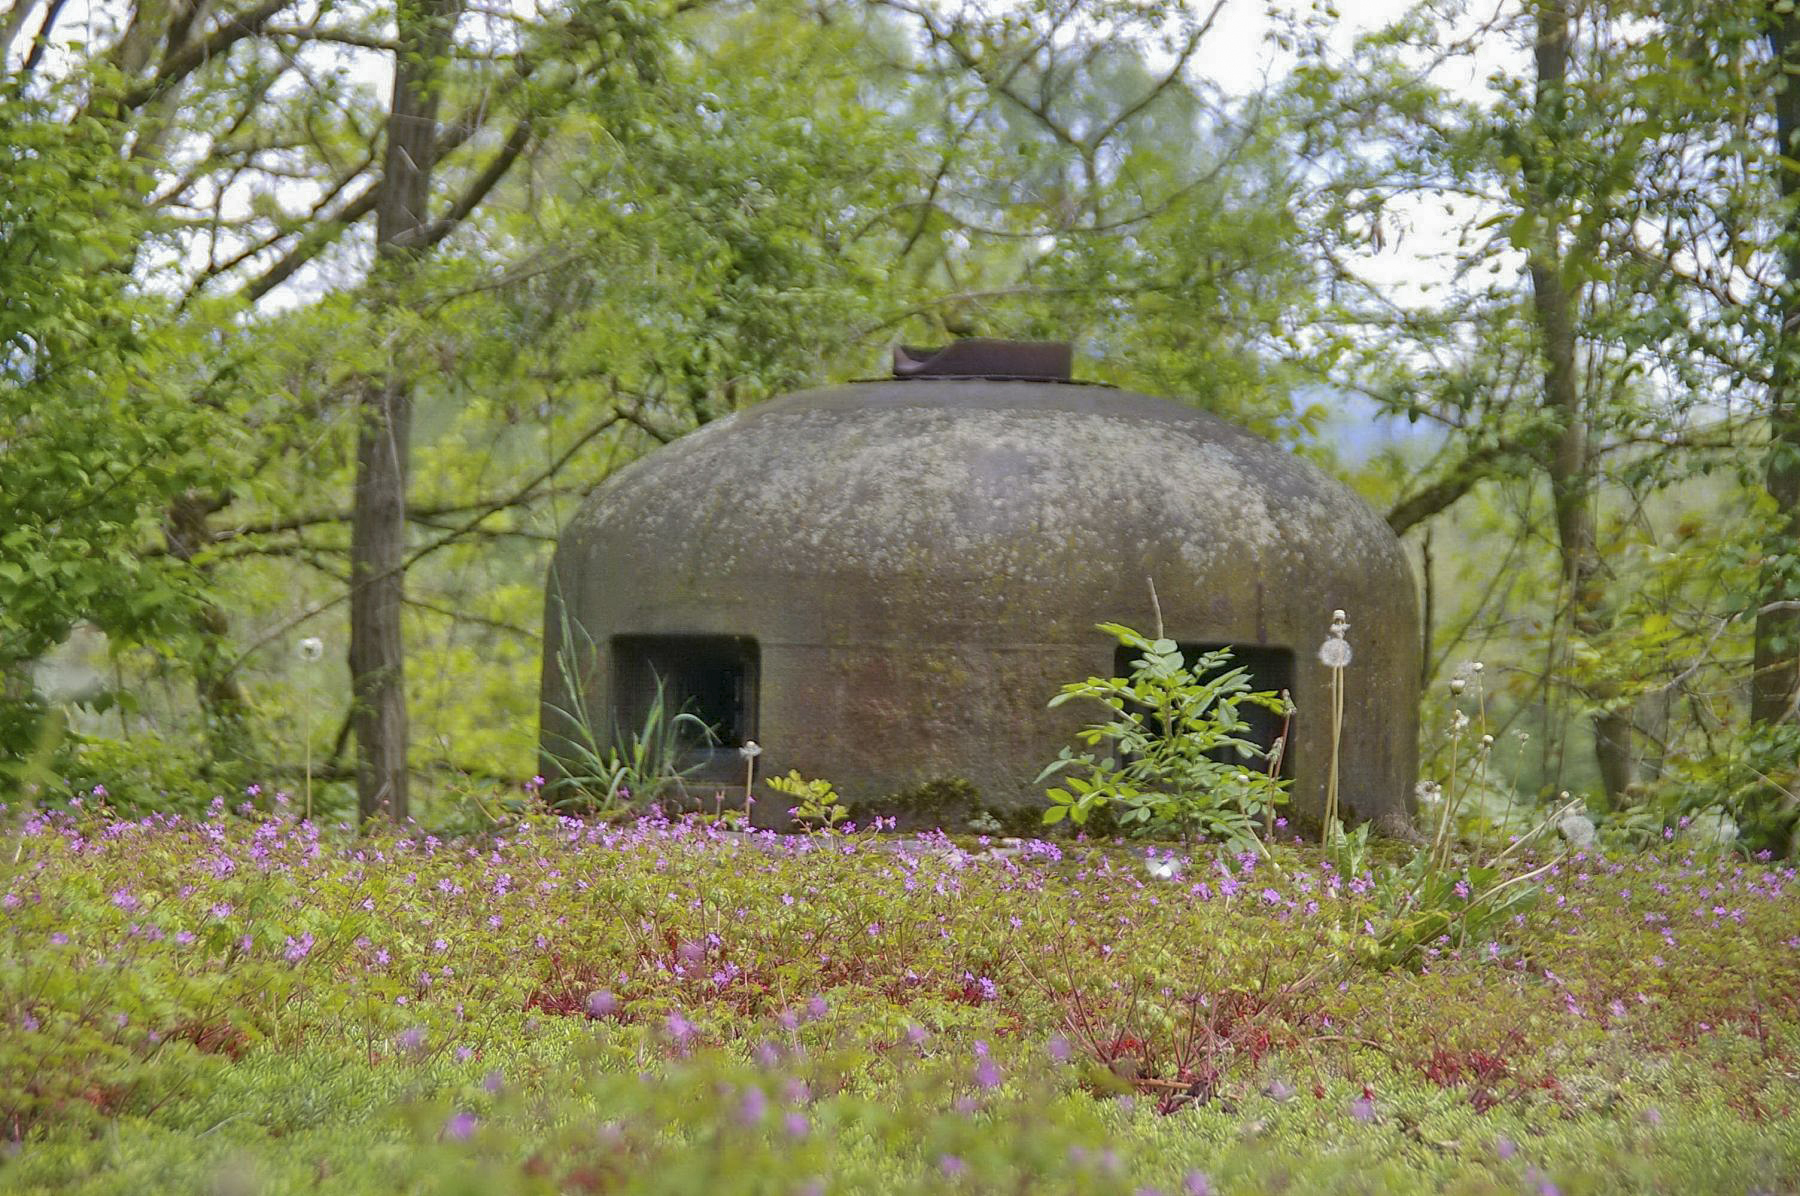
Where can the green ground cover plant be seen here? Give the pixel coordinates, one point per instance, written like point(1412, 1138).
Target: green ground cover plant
point(248, 1002)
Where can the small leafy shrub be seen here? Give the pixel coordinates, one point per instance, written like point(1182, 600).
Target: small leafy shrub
point(1166, 767)
point(1755, 778)
point(146, 774)
point(816, 803)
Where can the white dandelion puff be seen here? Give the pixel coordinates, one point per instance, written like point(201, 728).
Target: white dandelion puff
point(1334, 654)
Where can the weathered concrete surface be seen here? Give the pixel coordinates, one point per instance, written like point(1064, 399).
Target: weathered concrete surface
point(922, 564)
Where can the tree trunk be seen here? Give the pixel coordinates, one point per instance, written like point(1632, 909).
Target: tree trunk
point(11, 25)
point(383, 441)
point(1571, 465)
point(1427, 611)
point(377, 587)
point(1775, 684)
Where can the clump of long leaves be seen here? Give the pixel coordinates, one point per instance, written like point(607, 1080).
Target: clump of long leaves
point(1427, 900)
point(632, 767)
point(1175, 760)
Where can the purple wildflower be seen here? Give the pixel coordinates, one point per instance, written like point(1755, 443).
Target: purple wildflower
point(298, 948)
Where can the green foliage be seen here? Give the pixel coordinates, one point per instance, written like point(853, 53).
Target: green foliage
point(816, 803)
point(938, 796)
point(101, 427)
point(1648, 488)
point(714, 204)
point(1441, 894)
point(1419, 904)
point(1162, 774)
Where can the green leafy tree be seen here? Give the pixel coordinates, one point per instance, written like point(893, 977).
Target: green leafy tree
point(97, 437)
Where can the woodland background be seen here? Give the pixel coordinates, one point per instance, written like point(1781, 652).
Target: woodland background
point(317, 318)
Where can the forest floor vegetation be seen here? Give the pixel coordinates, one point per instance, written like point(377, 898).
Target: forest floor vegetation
point(246, 1002)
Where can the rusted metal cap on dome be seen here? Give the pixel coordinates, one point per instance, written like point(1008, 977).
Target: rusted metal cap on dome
point(1027, 361)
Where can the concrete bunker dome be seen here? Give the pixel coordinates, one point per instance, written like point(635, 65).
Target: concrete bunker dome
point(884, 583)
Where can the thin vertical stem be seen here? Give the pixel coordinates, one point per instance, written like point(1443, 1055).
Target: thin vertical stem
point(1337, 731)
point(1441, 838)
point(306, 735)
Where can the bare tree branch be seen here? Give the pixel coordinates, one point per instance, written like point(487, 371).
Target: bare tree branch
point(321, 234)
point(13, 25)
point(190, 58)
point(449, 537)
point(41, 42)
point(481, 184)
point(1476, 466)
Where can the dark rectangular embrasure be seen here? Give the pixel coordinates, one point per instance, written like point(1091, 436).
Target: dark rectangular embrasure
point(713, 677)
point(1270, 669)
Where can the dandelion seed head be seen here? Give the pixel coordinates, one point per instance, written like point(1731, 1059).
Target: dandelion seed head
point(1334, 653)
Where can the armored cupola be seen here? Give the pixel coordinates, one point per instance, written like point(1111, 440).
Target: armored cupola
point(883, 583)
